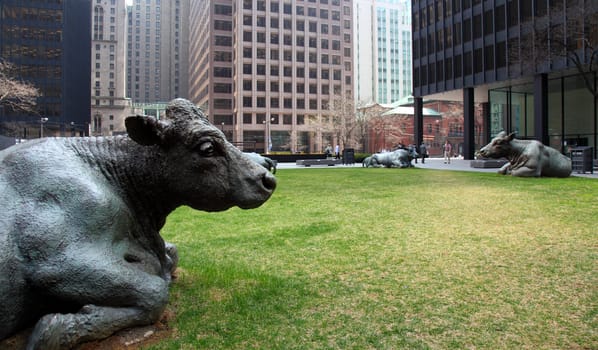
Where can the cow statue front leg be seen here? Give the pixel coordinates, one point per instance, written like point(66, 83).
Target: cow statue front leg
point(505, 169)
point(172, 256)
point(114, 293)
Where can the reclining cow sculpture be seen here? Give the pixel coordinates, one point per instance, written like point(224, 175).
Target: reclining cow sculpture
point(266, 162)
point(400, 158)
point(526, 157)
point(81, 255)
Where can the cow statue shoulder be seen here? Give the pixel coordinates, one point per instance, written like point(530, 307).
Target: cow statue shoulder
point(81, 251)
point(526, 157)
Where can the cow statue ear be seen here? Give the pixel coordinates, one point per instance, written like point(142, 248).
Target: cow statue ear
point(145, 131)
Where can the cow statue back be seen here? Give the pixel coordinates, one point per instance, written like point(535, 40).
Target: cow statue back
point(527, 158)
point(81, 251)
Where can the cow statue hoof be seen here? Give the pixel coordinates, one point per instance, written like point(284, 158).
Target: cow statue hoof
point(81, 221)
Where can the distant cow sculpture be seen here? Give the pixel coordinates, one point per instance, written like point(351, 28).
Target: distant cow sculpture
point(400, 158)
point(266, 162)
point(526, 157)
point(81, 251)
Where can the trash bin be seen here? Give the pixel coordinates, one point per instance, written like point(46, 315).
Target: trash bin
point(349, 156)
point(582, 159)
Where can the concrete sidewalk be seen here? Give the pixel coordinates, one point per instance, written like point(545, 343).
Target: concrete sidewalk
point(459, 164)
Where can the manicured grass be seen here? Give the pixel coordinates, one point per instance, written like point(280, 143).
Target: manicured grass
point(360, 258)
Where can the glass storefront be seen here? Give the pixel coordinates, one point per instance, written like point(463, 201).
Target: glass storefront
point(572, 118)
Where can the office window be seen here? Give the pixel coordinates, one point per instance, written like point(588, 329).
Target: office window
point(477, 26)
point(457, 33)
point(499, 18)
point(501, 54)
point(261, 85)
point(247, 119)
point(467, 30)
point(478, 60)
point(489, 57)
point(467, 63)
point(448, 68)
point(488, 23)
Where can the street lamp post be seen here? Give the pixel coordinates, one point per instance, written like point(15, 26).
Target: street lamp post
point(41, 128)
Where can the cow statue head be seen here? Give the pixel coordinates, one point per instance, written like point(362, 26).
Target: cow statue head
point(198, 165)
point(499, 147)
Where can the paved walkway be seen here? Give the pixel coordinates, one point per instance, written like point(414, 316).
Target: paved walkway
point(431, 163)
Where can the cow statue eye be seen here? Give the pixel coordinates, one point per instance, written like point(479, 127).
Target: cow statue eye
point(207, 149)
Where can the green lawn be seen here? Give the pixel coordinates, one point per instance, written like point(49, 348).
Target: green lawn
point(357, 258)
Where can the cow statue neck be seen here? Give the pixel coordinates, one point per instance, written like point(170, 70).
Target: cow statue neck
point(82, 256)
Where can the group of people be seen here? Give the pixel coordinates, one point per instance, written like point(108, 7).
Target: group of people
point(328, 151)
point(447, 151)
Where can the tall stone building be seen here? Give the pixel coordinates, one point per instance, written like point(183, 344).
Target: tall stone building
point(157, 50)
point(266, 71)
point(109, 106)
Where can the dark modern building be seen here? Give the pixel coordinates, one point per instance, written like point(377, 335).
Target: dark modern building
point(517, 57)
point(49, 42)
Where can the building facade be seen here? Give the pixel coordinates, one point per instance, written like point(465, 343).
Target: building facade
point(49, 43)
point(157, 50)
point(267, 71)
point(109, 105)
point(518, 58)
point(382, 50)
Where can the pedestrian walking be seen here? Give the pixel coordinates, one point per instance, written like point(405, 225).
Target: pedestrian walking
point(447, 149)
point(423, 151)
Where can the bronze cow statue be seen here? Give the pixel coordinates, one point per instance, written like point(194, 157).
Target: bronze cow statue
point(81, 251)
point(526, 157)
point(400, 158)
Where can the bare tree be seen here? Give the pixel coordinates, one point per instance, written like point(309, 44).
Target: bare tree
point(344, 120)
point(563, 32)
point(16, 94)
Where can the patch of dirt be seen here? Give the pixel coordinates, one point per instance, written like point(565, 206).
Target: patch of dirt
point(127, 339)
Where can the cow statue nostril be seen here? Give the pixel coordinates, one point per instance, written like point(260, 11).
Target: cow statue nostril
point(269, 181)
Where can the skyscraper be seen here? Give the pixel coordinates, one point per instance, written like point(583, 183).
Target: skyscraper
point(382, 50)
point(266, 71)
point(157, 50)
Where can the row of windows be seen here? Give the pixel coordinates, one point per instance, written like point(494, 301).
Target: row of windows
point(260, 53)
point(260, 118)
point(488, 58)
point(260, 69)
point(287, 87)
point(521, 10)
point(32, 14)
point(286, 9)
point(260, 102)
point(325, 28)
point(460, 32)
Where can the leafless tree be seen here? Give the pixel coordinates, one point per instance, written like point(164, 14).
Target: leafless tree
point(16, 94)
point(344, 120)
point(566, 30)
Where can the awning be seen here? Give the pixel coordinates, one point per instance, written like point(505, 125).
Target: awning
point(407, 110)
